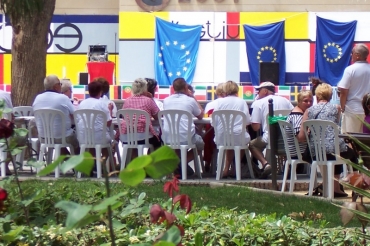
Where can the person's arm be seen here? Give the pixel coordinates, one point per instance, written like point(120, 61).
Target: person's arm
point(301, 135)
point(343, 98)
point(200, 116)
point(339, 112)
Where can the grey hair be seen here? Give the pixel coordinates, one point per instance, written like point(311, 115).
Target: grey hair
point(139, 86)
point(362, 50)
point(66, 84)
point(50, 81)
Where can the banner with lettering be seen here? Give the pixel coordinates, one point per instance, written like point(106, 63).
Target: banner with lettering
point(265, 44)
point(334, 41)
point(175, 51)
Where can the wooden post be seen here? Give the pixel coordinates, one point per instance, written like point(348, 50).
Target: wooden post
point(273, 146)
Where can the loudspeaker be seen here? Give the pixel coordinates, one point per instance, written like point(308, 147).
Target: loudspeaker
point(269, 71)
point(83, 78)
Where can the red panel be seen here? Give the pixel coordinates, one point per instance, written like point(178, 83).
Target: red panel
point(312, 57)
point(232, 27)
point(1, 68)
point(101, 69)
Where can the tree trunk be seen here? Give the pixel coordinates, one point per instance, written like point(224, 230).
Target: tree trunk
point(29, 48)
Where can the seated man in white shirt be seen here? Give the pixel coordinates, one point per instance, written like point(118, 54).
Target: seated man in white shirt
point(104, 97)
point(266, 90)
point(183, 100)
point(52, 98)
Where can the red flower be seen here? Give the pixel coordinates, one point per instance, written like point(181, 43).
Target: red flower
point(6, 128)
point(3, 194)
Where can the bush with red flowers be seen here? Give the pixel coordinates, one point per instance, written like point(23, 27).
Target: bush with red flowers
point(6, 128)
point(3, 197)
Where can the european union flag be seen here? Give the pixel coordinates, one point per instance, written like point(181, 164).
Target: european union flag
point(265, 44)
point(175, 51)
point(334, 41)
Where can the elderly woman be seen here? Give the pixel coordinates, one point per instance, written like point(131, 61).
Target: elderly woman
point(323, 110)
point(295, 118)
point(232, 102)
point(142, 100)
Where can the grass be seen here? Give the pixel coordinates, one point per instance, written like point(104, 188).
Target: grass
point(237, 198)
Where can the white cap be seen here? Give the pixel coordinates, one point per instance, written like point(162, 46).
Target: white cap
point(268, 85)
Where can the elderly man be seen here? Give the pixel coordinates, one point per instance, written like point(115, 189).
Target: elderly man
point(183, 100)
point(266, 91)
point(52, 98)
point(354, 84)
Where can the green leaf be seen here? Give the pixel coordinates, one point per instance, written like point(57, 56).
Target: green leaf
point(83, 163)
point(132, 177)
point(12, 235)
point(163, 243)
point(75, 211)
point(22, 132)
point(49, 168)
point(165, 161)
point(198, 239)
point(89, 219)
point(140, 162)
point(108, 202)
point(172, 235)
point(7, 227)
point(7, 110)
point(37, 195)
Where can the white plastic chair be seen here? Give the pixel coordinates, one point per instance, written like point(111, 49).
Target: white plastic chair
point(47, 117)
point(85, 120)
point(225, 140)
point(22, 111)
point(317, 130)
point(289, 161)
point(131, 117)
point(25, 111)
point(172, 119)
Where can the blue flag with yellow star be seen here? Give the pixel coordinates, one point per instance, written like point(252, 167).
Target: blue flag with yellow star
point(175, 51)
point(334, 42)
point(265, 44)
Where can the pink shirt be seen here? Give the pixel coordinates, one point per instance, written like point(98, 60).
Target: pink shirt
point(143, 103)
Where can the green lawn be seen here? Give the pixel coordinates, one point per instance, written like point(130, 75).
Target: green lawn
point(237, 198)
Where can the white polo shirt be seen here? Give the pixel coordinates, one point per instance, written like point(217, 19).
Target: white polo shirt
point(180, 102)
point(97, 104)
point(54, 100)
point(356, 78)
point(261, 109)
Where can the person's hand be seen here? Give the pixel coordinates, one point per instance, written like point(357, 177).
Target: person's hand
point(147, 94)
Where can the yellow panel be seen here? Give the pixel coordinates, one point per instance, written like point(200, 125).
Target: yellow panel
point(296, 23)
point(139, 25)
point(7, 68)
point(66, 65)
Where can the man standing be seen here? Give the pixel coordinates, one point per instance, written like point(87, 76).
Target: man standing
point(354, 84)
point(266, 91)
point(52, 98)
point(184, 100)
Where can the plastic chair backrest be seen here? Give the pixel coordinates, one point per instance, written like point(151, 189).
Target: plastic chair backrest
point(278, 112)
point(283, 128)
point(45, 119)
point(227, 119)
point(172, 119)
point(85, 120)
point(23, 111)
point(131, 118)
point(315, 130)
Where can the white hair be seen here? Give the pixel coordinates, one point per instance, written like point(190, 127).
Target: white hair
point(50, 81)
point(66, 84)
point(139, 86)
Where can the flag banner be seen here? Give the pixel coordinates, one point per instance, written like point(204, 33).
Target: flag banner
point(126, 92)
point(163, 92)
point(211, 93)
point(334, 41)
point(115, 92)
point(79, 91)
point(265, 44)
point(175, 51)
point(200, 92)
point(248, 92)
point(283, 91)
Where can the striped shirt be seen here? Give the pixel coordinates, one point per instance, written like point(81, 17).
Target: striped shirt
point(294, 118)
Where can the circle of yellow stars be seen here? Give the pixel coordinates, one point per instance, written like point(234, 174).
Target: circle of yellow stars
point(334, 45)
point(267, 48)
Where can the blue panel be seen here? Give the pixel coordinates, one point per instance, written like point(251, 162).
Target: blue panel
point(290, 78)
